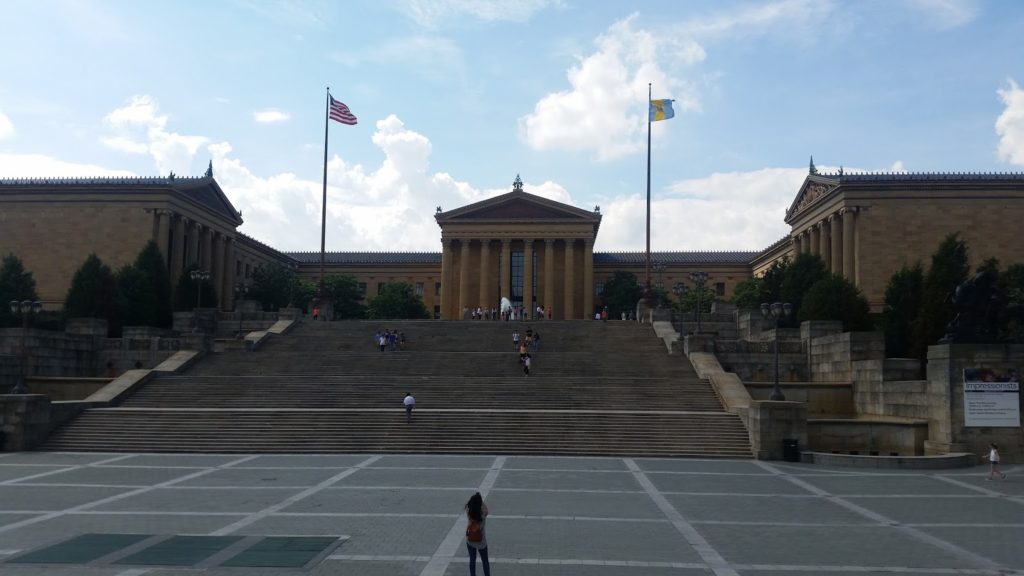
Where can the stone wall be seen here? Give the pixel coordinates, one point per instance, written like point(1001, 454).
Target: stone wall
point(867, 436)
point(24, 421)
point(947, 433)
point(831, 358)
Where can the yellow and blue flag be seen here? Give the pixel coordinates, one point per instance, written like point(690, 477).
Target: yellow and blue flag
point(661, 110)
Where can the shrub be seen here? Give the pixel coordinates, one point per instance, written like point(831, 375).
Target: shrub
point(836, 298)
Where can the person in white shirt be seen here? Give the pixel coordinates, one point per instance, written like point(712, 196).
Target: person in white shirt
point(409, 402)
point(993, 462)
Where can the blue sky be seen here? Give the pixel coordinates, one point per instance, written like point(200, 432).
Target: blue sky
point(455, 97)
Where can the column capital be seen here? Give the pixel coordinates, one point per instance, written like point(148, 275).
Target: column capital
point(849, 210)
point(833, 216)
point(549, 241)
point(820, 225)
point(446, 242)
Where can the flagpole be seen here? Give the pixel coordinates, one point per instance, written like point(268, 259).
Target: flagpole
point(647, 265)
point(323, 214)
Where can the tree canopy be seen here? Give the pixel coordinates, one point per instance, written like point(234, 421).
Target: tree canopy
point(621, 293)
point(902, 304)
point(16, 283)
point(94, 293)
point(949, 268)
point(397, 300)
point(185, 291)
point(836, 298)
point(346, 299)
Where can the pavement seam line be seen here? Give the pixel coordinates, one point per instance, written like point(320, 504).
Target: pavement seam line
point(707, 553)
point(914, 533)
point(259, 515)
point(445, 553)
point(116, 497)
point(14, 481)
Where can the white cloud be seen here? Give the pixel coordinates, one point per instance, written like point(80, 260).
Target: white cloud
point(431, 13)
point(138, 122)
point(724, 211)
point(385, 207)
point(605, 109)
point(6, 127)
point(40, 166)
point(271, 116)
point(1010, 124)
point(791, 18)
point(897, 166)
point(945, 14)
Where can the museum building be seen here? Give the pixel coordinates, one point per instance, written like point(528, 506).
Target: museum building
point(532, 250)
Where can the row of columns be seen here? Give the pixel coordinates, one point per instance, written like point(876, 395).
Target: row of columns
point(486, 295)
point(834, 240)
point(195, 243)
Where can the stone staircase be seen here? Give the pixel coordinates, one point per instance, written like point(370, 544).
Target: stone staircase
point(595, 389)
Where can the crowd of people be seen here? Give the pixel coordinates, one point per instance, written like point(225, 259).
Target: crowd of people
point(512, 313)
point(392, 340)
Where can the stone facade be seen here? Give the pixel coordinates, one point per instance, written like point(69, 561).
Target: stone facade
point(864, 226)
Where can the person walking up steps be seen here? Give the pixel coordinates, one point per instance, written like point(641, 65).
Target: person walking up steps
point(515, 339)
point(526, 365)
point(410, 403)
point(993, 462)
point(476, 533)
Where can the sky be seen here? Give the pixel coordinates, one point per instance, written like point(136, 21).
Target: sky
point(457, 97)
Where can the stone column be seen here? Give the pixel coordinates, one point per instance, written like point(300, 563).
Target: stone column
point(163, 233)
point(228, 284)
point(207, 249)
point(178, 250)
point(193, 243)
point(528, 276)
point(588, 277)
point(549, 274)
point(796, 245)
point(463, 279)
point(805, 243)
point(823, 241)
point(217, 269)
point(815, 242)
point(570, 302)
point(486, 298)
point(849, 260)
point(836, 250)
point(446, 278)
point(505, 282)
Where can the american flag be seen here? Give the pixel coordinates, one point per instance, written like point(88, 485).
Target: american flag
point(341, 113)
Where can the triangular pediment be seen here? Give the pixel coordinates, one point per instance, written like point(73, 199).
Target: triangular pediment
point(813, 189)
point(517, 206)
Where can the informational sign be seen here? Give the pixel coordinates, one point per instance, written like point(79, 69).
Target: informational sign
point(991, 398)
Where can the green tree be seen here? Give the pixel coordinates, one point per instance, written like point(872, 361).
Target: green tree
point(185, 291)
point(1013, 282)
point(144, 290)
point(902, 305)
point(688, 301)
point(836, 298)
point(397, 301)
point(15, 284)
point(93, 294)
point(150, 262)
point(303, 293)
point(798, 277)
point(747, 294)
point(346, 299)
point(621, 293)
point(273, 286)
point(949, 268)
point(771, 282)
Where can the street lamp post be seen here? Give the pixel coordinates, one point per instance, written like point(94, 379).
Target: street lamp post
point(774, 313)
point(26, 308)
point(240, 290)
point(699, 278)
point(659, 267)
point(198, 276)
point(680, 290)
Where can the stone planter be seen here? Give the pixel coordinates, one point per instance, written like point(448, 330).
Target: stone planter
point(87, 327)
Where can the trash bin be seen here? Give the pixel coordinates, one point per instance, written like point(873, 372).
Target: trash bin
point(791, 450)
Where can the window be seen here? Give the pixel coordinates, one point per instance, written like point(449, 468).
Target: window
point(380, 286)
point(419, 289)
point(362, 289)
point(437, 311)
point(238, 267)
point(599, 288)
point(719, 288)
point(437, 288)
point(247, 271)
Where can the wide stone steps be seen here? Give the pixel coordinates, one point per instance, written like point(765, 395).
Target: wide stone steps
point(595, 389)
point(375, 391)
point(384, 431)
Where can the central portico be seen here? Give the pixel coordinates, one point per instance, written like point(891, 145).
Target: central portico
point(531, 250)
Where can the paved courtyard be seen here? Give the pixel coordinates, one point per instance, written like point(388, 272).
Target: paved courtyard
point(402, 515)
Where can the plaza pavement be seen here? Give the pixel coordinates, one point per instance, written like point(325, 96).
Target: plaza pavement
point(402, 514)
